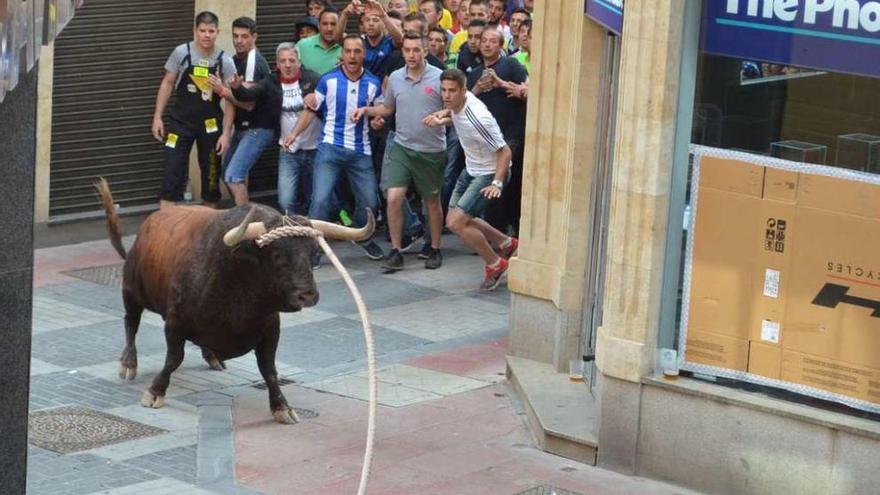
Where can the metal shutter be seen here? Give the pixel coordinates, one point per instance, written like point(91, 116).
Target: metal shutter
point(275, 20)
point(108, 64)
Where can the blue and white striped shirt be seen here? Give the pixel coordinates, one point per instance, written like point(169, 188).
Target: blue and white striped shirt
point(337, 98)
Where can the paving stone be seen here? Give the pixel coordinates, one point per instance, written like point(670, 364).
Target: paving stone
point(193, 375)
point(74, 388)
point(357, 387)
point(39, 367)
point(52, 314)
point(160, 486)
point(378, 293)
point(547, 490)
point(93, 343)
point(444, 317)
point(337, 341)
point(178, 463)
point(82, 474)
point(459, 274)
point(304, 317)
point(146, 446)
point(109, 275)
point(426, 380)
point(84, 294)
point(175, 416)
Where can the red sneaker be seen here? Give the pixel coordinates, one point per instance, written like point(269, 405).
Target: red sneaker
point(494, 275)
point(510, 250)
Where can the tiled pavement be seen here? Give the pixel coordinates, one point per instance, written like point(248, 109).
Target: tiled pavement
point(440, 346)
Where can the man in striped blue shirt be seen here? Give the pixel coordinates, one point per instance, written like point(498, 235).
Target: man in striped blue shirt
point(344, 146)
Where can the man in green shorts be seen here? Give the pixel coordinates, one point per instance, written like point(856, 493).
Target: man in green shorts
point(418, 155)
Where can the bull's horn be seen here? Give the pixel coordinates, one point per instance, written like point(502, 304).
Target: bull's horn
point(334, 231)
point(247, 230)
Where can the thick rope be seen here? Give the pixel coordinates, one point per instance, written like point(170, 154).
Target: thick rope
point(291, 230)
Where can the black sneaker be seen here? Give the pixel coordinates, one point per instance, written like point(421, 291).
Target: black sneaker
point(371, 249)
point(409, 241)
point(425, 253)
point(393, 262)
point(435, 259)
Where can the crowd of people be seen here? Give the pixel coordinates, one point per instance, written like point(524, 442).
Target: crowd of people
point(422, 112)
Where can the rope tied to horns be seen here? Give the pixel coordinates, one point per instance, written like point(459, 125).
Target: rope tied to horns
point(291, 228)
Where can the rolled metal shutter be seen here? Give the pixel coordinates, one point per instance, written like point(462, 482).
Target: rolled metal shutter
point(108, 64)
point(275, 20)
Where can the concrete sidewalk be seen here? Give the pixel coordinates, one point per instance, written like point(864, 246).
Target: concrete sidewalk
point(447, 423)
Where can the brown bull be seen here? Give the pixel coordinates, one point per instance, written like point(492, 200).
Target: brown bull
point(201, 270)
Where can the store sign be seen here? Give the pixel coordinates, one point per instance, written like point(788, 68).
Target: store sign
point(608, 13)
point(24, 27)
point(835, 35)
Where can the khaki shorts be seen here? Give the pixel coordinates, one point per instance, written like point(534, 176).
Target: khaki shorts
point(425, 170)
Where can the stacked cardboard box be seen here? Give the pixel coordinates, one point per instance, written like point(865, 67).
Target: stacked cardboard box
point(786, 277)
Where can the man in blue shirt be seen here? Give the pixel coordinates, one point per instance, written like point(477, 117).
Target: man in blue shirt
point(344, 145)
point(381, 36)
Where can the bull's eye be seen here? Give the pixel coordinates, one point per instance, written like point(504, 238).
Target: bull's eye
point(279, 260)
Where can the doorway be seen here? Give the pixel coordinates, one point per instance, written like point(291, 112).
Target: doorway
point(600, 194)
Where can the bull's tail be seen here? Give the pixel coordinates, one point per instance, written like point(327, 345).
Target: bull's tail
point(112, 218)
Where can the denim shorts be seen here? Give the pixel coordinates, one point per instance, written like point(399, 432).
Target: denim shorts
point(467, 195)
point(244, 151)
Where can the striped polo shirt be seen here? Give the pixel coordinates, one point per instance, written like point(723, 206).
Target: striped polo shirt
point(337, 98)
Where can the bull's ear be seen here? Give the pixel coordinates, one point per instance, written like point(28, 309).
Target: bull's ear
point(247, 252)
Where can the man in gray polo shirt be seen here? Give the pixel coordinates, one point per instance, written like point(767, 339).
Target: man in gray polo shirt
point(419, 153)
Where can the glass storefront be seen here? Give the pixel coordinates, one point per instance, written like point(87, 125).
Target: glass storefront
point(794, 311)
point(794, 113)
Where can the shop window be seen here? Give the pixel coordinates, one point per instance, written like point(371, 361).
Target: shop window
point(798, 82)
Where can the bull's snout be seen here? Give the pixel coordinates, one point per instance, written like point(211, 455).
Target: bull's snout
point(305, 298)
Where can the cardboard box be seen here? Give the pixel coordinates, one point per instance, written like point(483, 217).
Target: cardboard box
point(786, 277)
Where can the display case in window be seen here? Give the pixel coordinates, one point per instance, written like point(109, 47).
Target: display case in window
point(799, 151)
point(859, 152)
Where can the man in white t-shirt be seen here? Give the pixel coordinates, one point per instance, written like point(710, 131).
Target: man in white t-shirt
point(487, 162)
point(296, 161)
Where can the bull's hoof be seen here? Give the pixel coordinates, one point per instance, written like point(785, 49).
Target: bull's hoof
point(286, 416)
point(153, 401)
point(127, 372)
point(215, 364)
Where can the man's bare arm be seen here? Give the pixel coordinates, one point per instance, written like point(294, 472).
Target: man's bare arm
point(165, 89)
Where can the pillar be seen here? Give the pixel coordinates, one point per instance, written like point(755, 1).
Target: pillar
point(18, 116)
point(645, 129)
point(547, 277)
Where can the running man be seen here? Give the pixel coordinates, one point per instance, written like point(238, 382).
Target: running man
point(487, 162)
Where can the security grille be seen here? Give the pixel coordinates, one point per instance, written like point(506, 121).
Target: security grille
point(108, 64)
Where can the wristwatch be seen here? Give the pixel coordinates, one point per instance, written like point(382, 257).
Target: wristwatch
point(497, 183)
